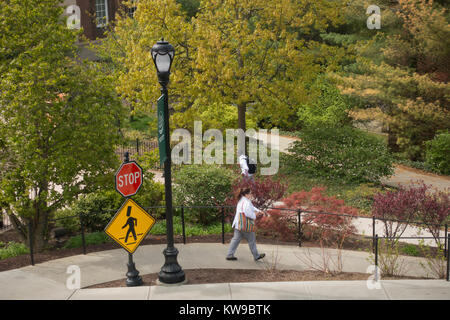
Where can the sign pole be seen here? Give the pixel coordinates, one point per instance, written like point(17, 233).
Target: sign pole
point(171, 272)
point(133, 278)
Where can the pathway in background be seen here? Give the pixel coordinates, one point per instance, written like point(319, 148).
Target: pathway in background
point(402, 175)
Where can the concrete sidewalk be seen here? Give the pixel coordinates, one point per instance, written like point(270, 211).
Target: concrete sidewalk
point(305, 290)
point(48, 280)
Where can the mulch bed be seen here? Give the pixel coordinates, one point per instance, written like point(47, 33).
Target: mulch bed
point(204, 276)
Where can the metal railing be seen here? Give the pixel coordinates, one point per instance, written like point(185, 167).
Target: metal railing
point(136, 148)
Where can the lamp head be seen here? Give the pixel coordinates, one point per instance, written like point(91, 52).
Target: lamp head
point(162, 55)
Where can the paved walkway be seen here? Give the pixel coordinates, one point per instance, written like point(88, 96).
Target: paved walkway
point(48, 280)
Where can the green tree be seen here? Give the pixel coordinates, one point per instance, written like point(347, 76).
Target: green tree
point(58, 117)
point(438, 150)
point(400, 75)
point(326, 108)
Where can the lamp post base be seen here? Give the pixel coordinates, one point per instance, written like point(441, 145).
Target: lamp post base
point(171, 271)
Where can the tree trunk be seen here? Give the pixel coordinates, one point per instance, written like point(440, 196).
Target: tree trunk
point(241, 116)
point(40, 236)
point(241, 123)
point(392, 142)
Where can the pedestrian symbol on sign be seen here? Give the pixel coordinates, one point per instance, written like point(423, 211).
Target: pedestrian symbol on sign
point(131, 223)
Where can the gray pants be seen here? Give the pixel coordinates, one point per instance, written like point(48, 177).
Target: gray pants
point(238, 235)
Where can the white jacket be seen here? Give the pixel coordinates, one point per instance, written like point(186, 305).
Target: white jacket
point(246, 206)
point(243, 164)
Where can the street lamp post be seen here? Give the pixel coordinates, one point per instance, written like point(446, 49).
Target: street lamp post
point(171, 272)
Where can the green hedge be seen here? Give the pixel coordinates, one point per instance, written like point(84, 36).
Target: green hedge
point(196, 185)
point(340, 153)
point(438, 153)
point(89, 238)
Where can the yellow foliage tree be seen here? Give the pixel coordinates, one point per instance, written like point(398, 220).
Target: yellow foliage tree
point(247, 54)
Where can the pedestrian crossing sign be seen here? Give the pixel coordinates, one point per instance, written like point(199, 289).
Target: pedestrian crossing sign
point(130, 225)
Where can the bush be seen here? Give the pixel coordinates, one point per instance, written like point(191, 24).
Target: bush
point(390, 261)
point(67, 219)
point(90, 239)
point(97, 208)
point(205, 185)
point(327, 108)
point(13, 249)
point(149, 160)
point(151, 194)
point(327, 226)
point(436, 262)
point(265, 191)
point(437, 154)
point(434, 211)
point(329, 229)
point(401, 204)
point(418, 202)
point(342, 153)
point(278, 224)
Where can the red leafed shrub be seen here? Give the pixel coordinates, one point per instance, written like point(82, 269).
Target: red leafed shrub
point(434, 212)
point(416, 203)
point(328, 228)
point(265, 191)
point(278, 224)
point(335, 226)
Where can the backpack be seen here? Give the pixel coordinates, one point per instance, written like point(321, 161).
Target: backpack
point(251, 166)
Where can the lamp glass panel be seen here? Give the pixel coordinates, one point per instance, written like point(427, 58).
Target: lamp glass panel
point(163, 62)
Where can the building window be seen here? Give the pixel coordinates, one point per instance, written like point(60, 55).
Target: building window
point(101, 12)
point(132, 8)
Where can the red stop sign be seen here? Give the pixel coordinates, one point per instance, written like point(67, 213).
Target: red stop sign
point(128, 179)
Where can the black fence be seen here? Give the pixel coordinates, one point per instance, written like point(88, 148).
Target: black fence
point(298, 215)
point(136, 148)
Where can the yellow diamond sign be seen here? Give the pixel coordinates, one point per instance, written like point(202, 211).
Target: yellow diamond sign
point(130, 225)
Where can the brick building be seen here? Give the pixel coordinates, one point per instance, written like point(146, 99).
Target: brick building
point(95, 14)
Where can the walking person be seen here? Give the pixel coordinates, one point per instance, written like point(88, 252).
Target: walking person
point(243, 225)
point(248, 168)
